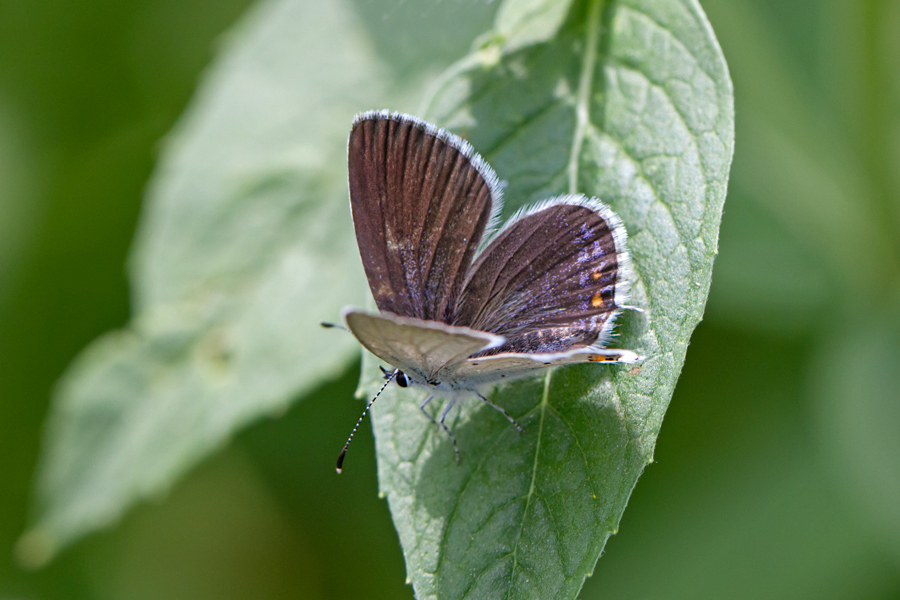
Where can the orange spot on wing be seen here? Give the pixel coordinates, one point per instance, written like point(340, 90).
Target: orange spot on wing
point(597, 300)
point(601, 358)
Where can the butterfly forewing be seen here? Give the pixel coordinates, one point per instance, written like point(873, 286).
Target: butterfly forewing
point(423, 348)
point(551, 280)
point(421, 200)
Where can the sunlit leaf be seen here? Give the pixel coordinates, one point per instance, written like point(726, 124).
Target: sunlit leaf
point(244, 246)
point(630, 102)
point(523, 22)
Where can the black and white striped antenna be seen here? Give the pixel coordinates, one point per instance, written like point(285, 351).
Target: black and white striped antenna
point(388, 378)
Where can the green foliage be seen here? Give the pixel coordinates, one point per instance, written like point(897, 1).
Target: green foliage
point(631, 103)
point(778, 456)
point(245, 245)
point(244, 231)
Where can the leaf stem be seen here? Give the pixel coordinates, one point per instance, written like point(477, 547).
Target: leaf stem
point(585, 82)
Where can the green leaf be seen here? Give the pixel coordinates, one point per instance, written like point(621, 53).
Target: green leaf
point(631, 102)
point(244, 246)
point(521, 23)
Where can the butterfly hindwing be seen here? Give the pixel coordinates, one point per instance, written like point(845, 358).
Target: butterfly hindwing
point(421, 199)
point(509, 366)
point(551, 280)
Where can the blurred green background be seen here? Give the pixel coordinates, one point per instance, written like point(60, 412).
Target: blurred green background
point(778, 470)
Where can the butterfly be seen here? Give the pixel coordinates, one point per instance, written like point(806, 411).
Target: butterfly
point(464, 305)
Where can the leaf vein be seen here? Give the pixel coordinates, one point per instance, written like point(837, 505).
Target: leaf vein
point(675, 38)
point(452, 516)
point(585, 81)
point(557, 530)
point(481, 573)
point(587, 469)
point(514, 132)
point(545, 401)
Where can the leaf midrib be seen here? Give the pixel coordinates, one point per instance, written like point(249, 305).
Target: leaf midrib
point(545, 402)
point(582, 116)
point(585, 82)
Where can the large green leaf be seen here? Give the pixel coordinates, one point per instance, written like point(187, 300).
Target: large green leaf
point(242, 233)
point(629, 101)
point(244, 246)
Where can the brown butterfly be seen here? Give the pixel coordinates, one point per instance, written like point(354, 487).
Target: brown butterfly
point(460, 308)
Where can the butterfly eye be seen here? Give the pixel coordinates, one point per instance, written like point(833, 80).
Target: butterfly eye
point(402, 380)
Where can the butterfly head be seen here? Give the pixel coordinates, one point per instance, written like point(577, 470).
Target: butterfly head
point(406, 380)
point(402, 380)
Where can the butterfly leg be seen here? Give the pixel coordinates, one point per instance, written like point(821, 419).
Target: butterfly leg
point(425, 412)
point(503, 412)
point(447, 429)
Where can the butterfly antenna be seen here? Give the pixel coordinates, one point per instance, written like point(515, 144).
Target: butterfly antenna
point(388, 379)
